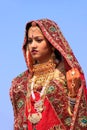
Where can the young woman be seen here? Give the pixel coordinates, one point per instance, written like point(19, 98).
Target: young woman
point(51, 93)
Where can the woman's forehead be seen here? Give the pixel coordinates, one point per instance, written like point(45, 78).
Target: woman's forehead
point(34, 30)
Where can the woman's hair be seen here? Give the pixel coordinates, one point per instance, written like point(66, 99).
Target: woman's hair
point(26, 33)
point(58, 55)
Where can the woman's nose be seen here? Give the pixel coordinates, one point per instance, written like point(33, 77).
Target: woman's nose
point(34, 44)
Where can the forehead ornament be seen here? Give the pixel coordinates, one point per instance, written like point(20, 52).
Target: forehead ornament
point(34, 27)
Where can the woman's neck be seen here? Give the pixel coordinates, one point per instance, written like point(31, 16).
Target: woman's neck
point(44, 68)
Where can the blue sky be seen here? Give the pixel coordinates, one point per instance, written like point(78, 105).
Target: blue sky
point(71, 16)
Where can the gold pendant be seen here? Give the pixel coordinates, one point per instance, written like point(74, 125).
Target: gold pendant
point(39, 106)
point(35, 117)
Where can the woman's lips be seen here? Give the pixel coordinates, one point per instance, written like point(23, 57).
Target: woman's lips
point(34, 52)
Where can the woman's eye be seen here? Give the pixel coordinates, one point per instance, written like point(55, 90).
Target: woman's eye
point(29, 41)
point(39, 40)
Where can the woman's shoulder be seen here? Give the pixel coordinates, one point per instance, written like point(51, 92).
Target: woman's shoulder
point(20, 81)
point(18, 90)
point(21, 76)
point(19, 85)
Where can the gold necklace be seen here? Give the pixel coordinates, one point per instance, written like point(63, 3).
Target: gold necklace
point(44, 81)
point(39, 104)
point(42, 71)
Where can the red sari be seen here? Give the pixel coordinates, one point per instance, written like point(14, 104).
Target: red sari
point(56, 116)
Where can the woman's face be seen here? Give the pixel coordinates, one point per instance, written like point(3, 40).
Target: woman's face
point(38, 46)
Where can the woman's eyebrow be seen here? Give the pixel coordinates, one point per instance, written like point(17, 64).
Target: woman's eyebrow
point(35, 37)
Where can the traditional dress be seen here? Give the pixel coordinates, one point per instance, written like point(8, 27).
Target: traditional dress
point(40, 94)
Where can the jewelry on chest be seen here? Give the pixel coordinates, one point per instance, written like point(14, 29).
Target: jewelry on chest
point(43, 74)
point(37, 99)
